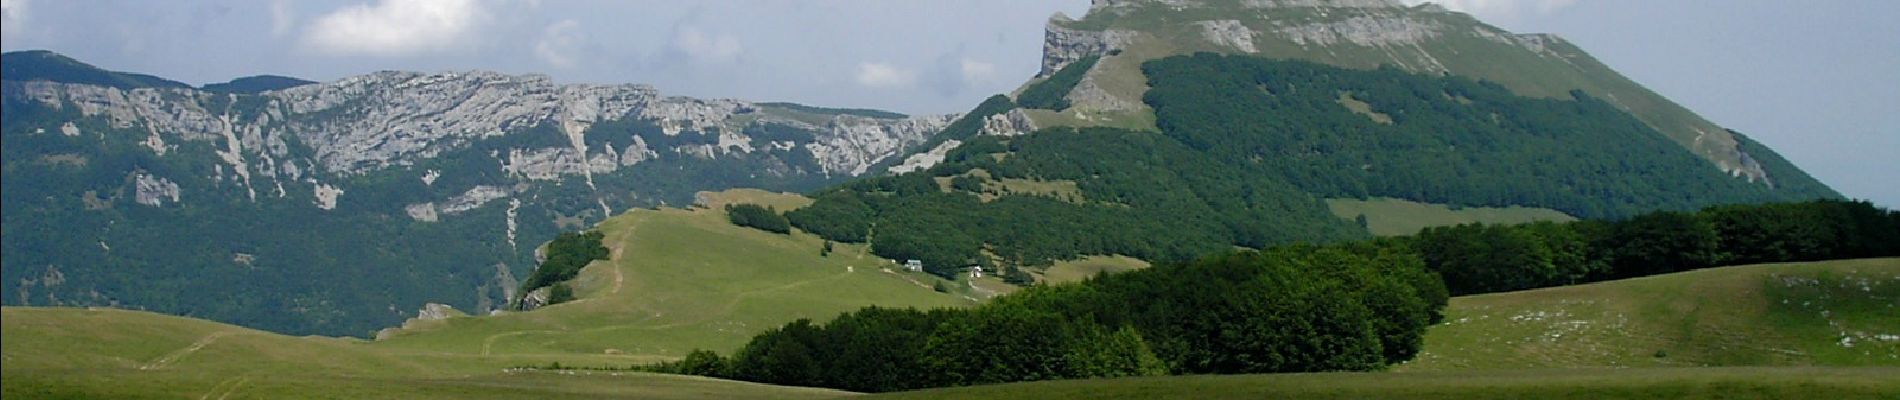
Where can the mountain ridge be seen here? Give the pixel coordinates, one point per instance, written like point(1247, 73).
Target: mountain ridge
point(477, 167)
point(1359, 34)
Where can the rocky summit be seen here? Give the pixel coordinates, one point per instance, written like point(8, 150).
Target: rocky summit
point(1363, 34)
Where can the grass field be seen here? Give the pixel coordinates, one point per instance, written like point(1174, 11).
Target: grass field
point(679, 280)
point(1834, 313)
point(1823, 330)
point(684, 279)
point(1545, 384)
point(1080, 269)
point(97, 354)
point(1394, 217)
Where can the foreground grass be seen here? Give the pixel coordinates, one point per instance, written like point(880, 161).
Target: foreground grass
point(1643, 383)
point(96, 354)
point(683, 279)
point(678, 280)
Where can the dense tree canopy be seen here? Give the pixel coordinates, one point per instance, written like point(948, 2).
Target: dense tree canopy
point(1495, 258)
point(1299, 308)
point(758, 217)
point(565, 256)
point(1248, 149)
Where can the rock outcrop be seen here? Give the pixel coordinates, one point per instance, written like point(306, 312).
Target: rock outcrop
point(367, 123)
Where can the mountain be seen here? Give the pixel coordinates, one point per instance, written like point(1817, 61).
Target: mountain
point(1166, 129)
point(255, 84)
point(335, 208)
point(41, 65)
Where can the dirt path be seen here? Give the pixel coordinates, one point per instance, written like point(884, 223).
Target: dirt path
point(489, 342)
point(169, 358)
point(613, 261)
point(225, 392)
point(912, 281)
point(724, 310)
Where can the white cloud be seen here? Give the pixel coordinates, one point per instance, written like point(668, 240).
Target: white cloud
point(882, 75)
point(705, 48)
point(12, 16)
point(281, 19)
point(977, 71)
point(397, 27)
point(560, 43)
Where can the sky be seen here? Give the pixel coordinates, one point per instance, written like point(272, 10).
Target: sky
point(1818, 81)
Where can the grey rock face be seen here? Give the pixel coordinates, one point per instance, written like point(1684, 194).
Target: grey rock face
point(153, 191)
point(1323, 3)
point(1012, 123)
point(926, 159)
point(852, 144)
point(388, 119)
point(1364, 31)
point(1062, 45)
point(1229, 33)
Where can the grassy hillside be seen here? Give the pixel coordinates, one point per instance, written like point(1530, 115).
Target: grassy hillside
point(1697, 383)
point(1775, 331)
point(1834, 313)
point(1394, 217)
point(1761, 331)
point(79, 353)
point(681, 280)
point(678, 280)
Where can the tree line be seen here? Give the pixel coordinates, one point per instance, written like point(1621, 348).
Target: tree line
point(566, 255)
point(1352, 307)
point(1476, 258)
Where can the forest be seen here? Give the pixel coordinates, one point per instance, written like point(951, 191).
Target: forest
point(1250, 147)
point(1353, 306)
point(1290, 309)
point(1477, 258)
point(566, 255)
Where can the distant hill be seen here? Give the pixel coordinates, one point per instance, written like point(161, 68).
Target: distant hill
point(255, 84)
point(42, 65)
point(679, 280)
point(682, 280)
point(342, 207)
point(1774, 331)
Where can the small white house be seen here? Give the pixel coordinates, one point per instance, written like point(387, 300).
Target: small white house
point(976, 272)
point(914, 265)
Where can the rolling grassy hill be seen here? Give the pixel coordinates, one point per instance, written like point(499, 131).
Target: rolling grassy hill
point(1759, 331)
point(1832, 313)
point(1643, 384)
point(679, 280)
point(103, 353)
point(1772, 331)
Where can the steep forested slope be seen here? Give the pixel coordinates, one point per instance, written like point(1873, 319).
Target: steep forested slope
point(1249, 147)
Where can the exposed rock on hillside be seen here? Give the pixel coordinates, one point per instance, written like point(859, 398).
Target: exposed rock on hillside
point(1424, 39)
point(392, 171)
